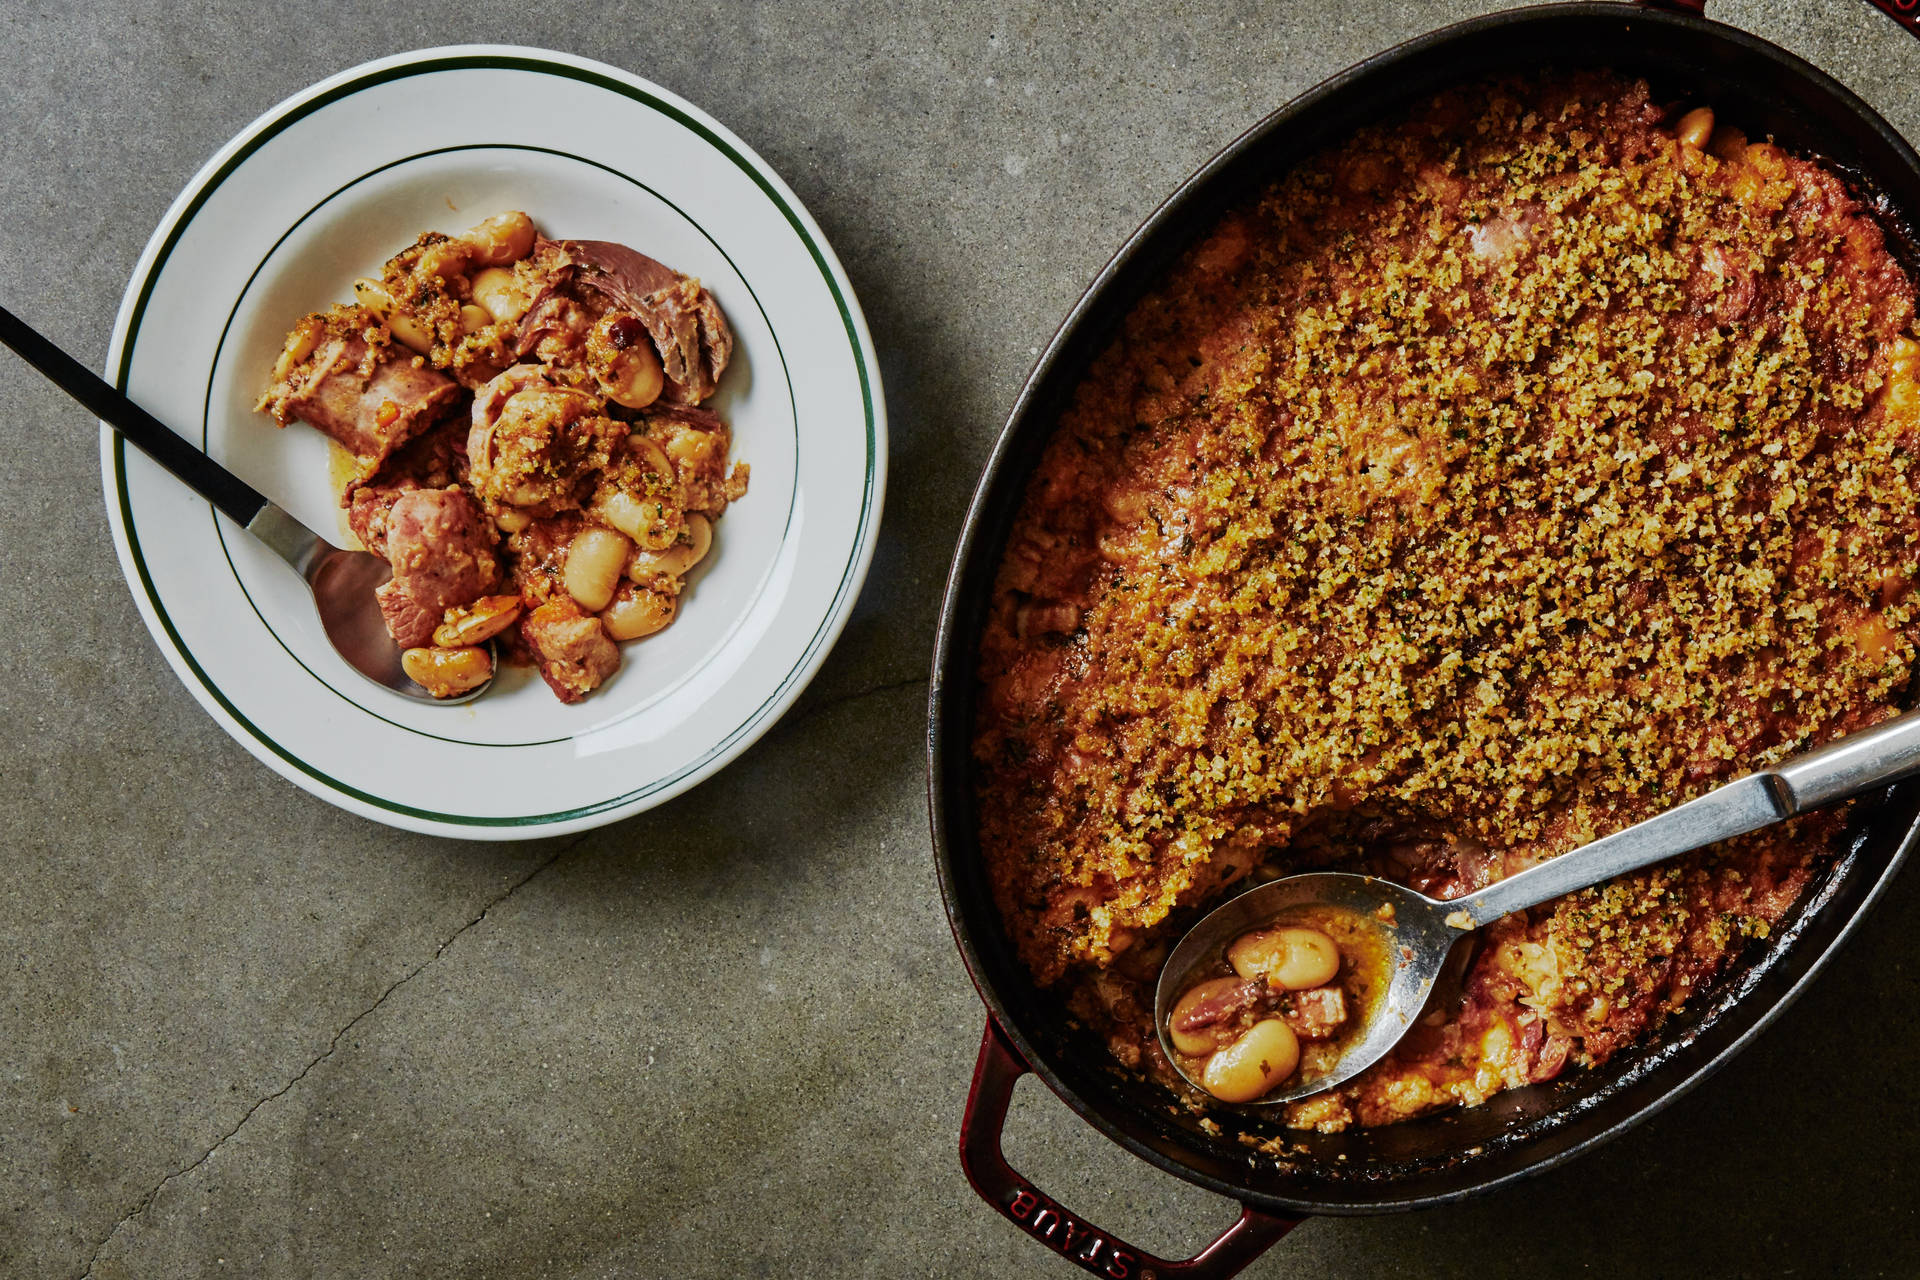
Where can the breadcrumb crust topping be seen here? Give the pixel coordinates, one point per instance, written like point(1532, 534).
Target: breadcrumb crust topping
point(1504, 476)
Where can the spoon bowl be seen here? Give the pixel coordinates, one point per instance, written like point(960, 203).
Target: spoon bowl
point(1416, 941)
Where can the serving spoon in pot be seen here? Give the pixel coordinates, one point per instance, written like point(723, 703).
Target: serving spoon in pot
point(342, 582)
point(1419, 932)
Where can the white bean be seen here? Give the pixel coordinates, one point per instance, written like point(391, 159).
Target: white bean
point(1255, 1064)
point(502, 239)
point(300, 344)
point(446, 259)
point(690, 448)
point(1293, 958)
point(498, 290)
point(651, 456)
point(633, 377)
point(648, 521)
point(374, 297)
point(1695, 127)
point(699, 539)
point(595, 559)
point(478, 623)
point(636, 611)
point(674, 561)
point(447, 673)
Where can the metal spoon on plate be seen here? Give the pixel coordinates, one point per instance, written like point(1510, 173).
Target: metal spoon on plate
point(342, 582)
point(1420, 932)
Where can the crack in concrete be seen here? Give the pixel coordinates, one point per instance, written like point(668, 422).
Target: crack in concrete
point(146, 1201)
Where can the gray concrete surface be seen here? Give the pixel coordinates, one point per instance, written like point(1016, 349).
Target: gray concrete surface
point(244, 1034)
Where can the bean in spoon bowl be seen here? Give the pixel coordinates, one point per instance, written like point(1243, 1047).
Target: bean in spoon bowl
point(1295, 986)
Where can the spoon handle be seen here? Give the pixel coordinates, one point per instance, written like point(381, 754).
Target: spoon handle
point(1845, 767)
point(240, 500)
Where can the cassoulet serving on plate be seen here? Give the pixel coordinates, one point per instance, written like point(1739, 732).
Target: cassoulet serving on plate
point(1512, 472)
point(526, 445)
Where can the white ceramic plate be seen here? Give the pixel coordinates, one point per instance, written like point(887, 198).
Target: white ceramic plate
point(324, 188)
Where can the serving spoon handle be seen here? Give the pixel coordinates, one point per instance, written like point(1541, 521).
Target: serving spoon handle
point(225, 490)
point(1858, 762)
point(342, 582)
point(245, 505)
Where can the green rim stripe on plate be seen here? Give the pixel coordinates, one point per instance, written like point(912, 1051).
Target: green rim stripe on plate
point(219, 531)
point(536, 66)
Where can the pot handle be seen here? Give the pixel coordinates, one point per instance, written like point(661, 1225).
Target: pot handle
point(1043, 1218)
point(1904, 12)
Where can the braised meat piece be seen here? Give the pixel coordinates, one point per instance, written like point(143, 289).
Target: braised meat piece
point(1225, 1005)
point(553, 324)
point(340, 373)
point(1317, 1013)
point(589, 278)
point(409, 622)
point(441, 546)
point(369, 506)
point(570, 648)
